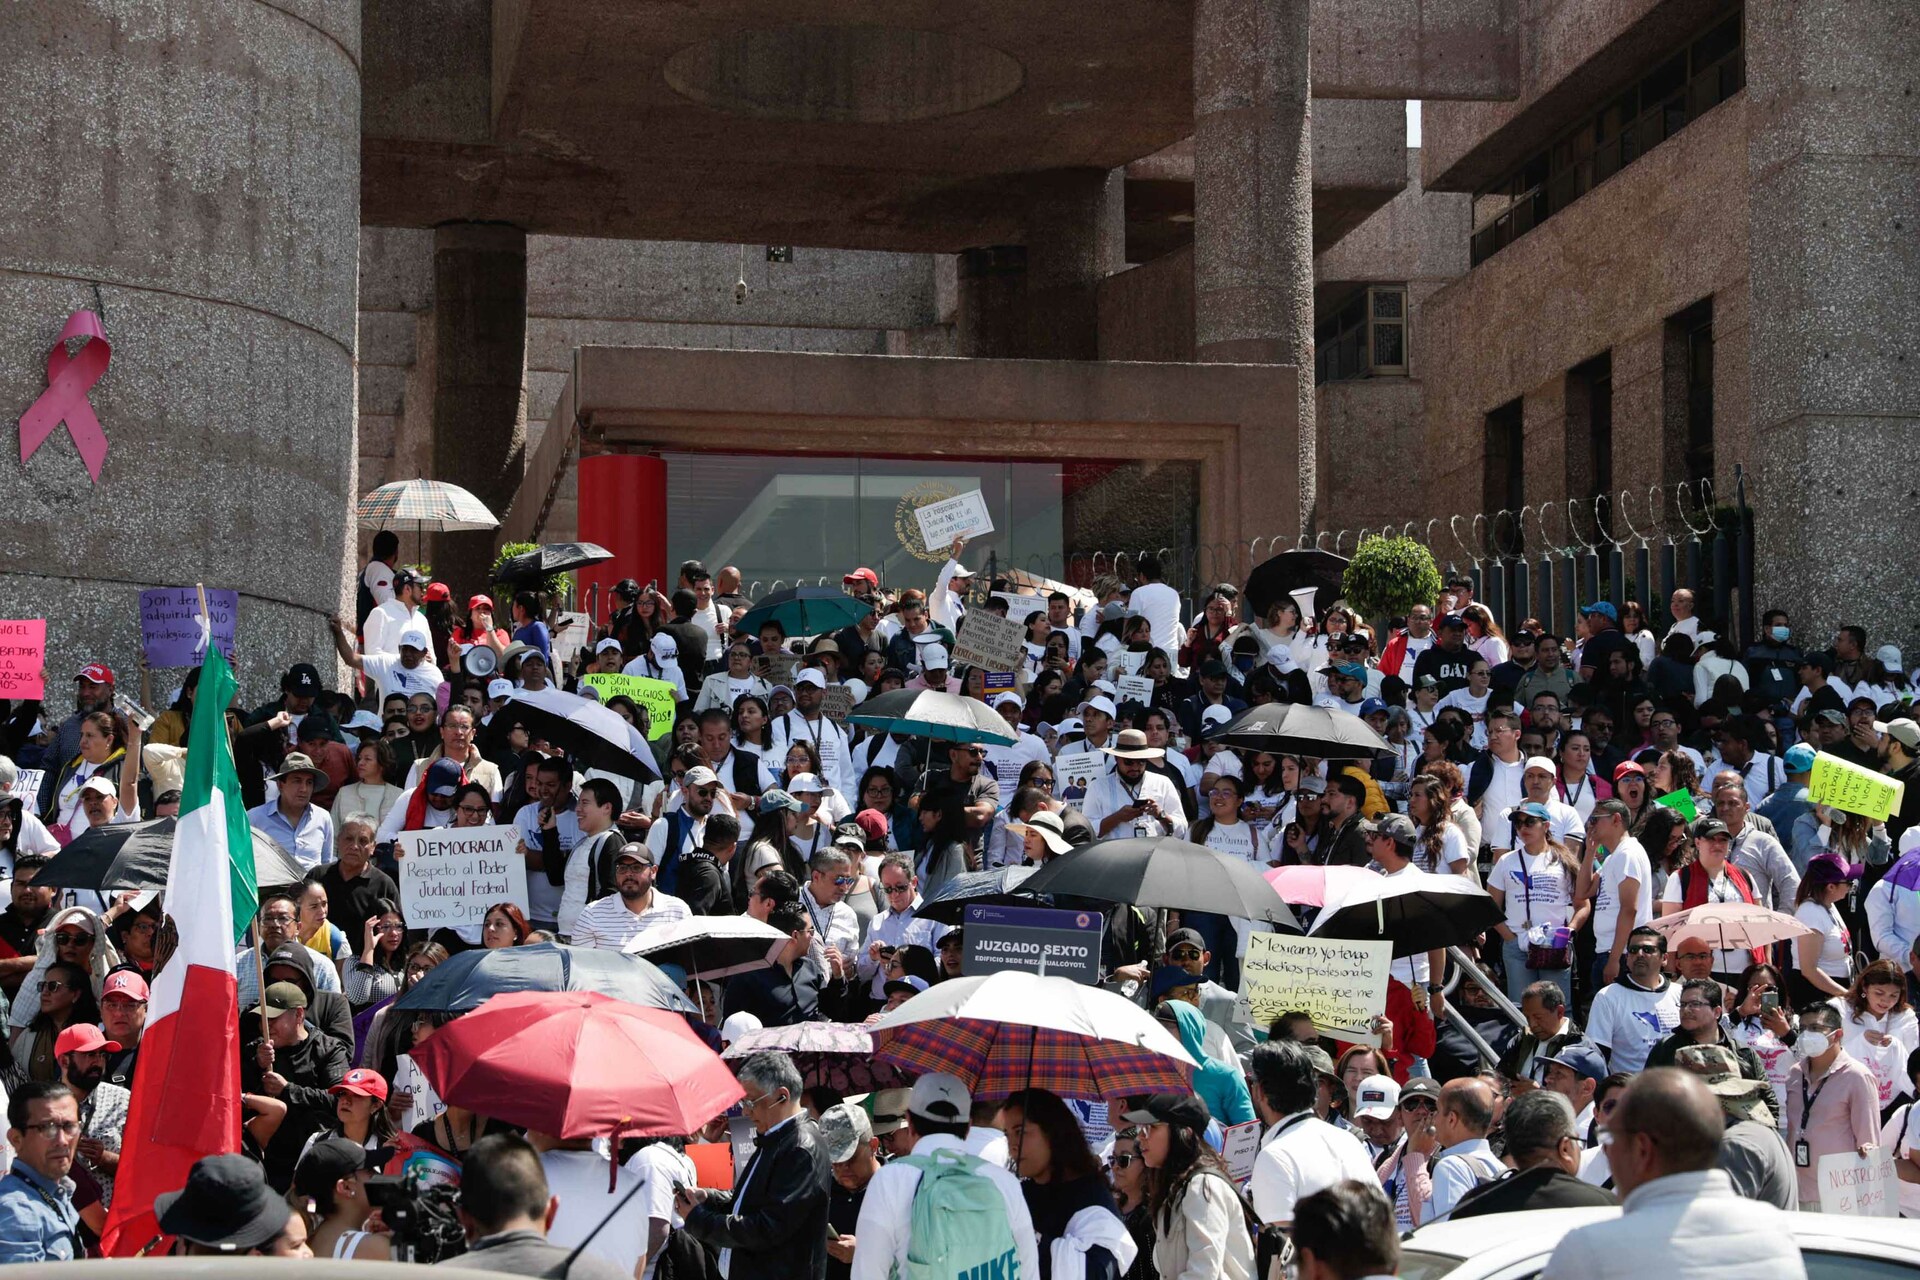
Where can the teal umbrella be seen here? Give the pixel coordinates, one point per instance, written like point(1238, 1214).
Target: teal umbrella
point(933, 713)
point(805, 611)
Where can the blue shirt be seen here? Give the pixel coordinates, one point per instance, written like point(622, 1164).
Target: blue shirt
point(38, 1222)
point(535, 634)
point(310, 844)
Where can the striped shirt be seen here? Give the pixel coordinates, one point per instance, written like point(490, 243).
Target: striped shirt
point(608, 924)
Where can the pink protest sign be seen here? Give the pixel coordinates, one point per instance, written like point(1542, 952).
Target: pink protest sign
point(23, 657)
point(69, 378)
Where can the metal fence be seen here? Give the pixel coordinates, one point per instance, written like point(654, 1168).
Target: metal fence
point(1541, 561)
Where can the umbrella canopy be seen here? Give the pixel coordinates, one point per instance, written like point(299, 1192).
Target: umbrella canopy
point(995, 888)
point(1007, 1031)
point(1162, 872)
point(424, 506)
point(135, 855)
point(578, 1064)
point(710, 946)
point(1288, 572)
point(1728, 926)
point(804, 611)
point(551, 558)
point(1289, 729)
point(838, 1055)
point(1306, 885)
point(596, 736)
point(1416, 911)
point(933, 713)
point(465, 981)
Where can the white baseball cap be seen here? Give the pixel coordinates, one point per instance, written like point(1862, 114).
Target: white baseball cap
point(604, 645)
point(1377, 1098)
point(737, 1025)
point(810, 676)
point(1280, 658)
point(664, 645)
point(414, 636)
point(1214, 716)
point(1540, 762)
point(499, 689)
point(699, 776)
point(1100, 704)
point(808, 782)
point(941, 1098)
point(1002, 699)
point(933, 657)
point(1224, 764)
point(99, 786)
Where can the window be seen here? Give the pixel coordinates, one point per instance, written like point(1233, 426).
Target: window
point(1589, 451)
point(1696, 323)
point(1503, 486)
point(1668, 96)
point(1364, 336)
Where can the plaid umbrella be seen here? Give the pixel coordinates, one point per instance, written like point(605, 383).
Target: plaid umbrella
point(1008, 1031)
point(838, 1055)
point(424, 506)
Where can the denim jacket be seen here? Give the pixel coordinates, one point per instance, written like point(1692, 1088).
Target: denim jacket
point(38, 1222)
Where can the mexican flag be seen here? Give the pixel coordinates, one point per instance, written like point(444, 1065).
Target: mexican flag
point(186, 1089)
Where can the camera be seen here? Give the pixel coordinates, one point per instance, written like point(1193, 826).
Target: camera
point(425, 1221)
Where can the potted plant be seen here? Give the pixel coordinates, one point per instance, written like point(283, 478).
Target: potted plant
point(1388, 576)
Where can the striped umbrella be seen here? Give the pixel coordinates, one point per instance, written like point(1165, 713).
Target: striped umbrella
point(1007, 1031)
point(838, 1055)
point(424, 506)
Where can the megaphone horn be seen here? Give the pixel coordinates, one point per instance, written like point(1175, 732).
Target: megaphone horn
point(480, 661)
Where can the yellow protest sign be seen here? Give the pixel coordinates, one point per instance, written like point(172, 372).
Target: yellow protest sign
point(655, 697)
point(1851, 788)
point(1342, 984)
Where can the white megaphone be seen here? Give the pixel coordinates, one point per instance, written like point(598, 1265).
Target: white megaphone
point(1304, 598)
point(480, 660)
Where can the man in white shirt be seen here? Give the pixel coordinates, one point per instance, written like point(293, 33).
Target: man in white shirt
point(1060, 619)
point(586, 866)
point(635, 906)
point(1740, 740)
point(1622, 878)
point(830, 874)
point(578, 1178)
point(1464, 1159)
point(407, 671)
point(1159, 604)
point(897, 926)
point(808, 722)
point(1504, 787)
point(1636, 1013)
point(947, 603)
point(1680, 605)
point(1130, 801)
point(549, 808)
point(938, 1109)
point(1299, 1152)
point(1390, 843)
point(661, 661)
point(382, 632)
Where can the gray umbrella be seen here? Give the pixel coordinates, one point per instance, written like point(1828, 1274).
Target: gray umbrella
point(1288, 729)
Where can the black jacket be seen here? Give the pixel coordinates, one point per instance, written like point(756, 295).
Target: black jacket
point(327, 1010)
point(1545, 1187)
point(1661, 1055)
point(778, 1230)
point(703, 885)
point(310, 1069)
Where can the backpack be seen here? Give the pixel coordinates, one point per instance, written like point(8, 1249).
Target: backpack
point(958, 1229)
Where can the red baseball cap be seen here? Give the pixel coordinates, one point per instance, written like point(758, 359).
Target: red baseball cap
point(363, 1081)
point(438, 591)
point(96, 673)
point(124, 982)
point(872, 823)
point(863, 574)
point(83, 1038)
point(480, 602)
point(1626, 767)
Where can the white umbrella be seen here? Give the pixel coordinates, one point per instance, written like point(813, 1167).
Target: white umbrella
point(596, 736)
point(711, 946)
point(1732, 926)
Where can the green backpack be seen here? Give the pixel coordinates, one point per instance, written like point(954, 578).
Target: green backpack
point(959, 1225)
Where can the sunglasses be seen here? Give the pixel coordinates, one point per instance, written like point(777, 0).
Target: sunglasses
point(1643, 949)
point(1527, 822)
point(1122, 1161)
point(845, 882)
point(1184, 953)
point(895, 890)
point(1419, 1104)
point(66, 939)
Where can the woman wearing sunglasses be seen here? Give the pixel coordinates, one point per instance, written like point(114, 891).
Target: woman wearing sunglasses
point(66, 999)
point(1537, 885)
point(1127, 1170)
point(75, 936)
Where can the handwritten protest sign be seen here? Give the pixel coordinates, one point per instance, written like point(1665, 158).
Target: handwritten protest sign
point(1019, 607)
point(988, 641)
point(776, 667)
point(1342, 984)
point(23, 656)
point(570, 632)
point(26, 786)
point(962, 516)
point(171, 631)
point(1075, 773)
point(449, 877)
point(1134, 689)
point(1858, 1186)
point(1851, 788)
point(655, 697)
point(836, 704)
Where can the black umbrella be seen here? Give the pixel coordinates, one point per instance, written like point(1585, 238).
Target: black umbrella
point(1163, 872)
point(462, 982)
point(551, 558)
point(996, 888)
point(1417, 913)
point(136, 855)
point(1288, 572)
point(1289, 729)
point(596, 736)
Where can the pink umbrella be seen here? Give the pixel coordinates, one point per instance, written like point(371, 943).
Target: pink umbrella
point(1310, 886)
point(1732, 926)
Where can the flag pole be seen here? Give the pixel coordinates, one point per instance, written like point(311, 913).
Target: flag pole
point(259, 967)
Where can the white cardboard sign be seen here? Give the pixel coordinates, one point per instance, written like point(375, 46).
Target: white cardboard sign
point(450, 876)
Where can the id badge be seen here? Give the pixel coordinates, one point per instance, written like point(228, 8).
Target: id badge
point(1802, 1155)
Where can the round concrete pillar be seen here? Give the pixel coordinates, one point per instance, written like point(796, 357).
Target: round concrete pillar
point(195, 166)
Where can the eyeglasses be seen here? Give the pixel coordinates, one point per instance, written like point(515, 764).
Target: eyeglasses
point(630, 864)
point(66, 939)
point(754, 1104)
point(1696, 955)
point(473, 810)
point(51, 1129)
point(1695, 1004)
point(1642, 949)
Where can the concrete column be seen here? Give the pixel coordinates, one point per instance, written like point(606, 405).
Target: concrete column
point(990, 320)
point(479, 390)
point(1834, 163)
point(1076, 237)
point(1253, 198)
point(197, 162)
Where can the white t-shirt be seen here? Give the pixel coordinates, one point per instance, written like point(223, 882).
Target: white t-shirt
point(377, 578)
point(1628, 862)
point(1414, 649)
point(384, 669)
point(1628, 1021)
point(1837, 947)
point(1901, 1134)
point(1718, 890)
point(1159, 604)
point(1504, 790)
point(1240, 840)
point(662, 1166)
point(1298, 1156)
point(1544, 878)
point(579, 1179)
point(1475, 707)
point(1453, 850)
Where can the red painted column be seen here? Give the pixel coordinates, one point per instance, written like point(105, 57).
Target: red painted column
point(623, 507)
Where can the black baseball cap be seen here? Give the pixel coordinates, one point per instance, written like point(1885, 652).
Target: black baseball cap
point(331, 1159)
point(301, 677)
point(1183, 1109)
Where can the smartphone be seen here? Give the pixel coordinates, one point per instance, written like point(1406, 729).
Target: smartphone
point(133, 711)
point(1769, 1001)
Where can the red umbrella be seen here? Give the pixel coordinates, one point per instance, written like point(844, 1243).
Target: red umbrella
point(578, 1064)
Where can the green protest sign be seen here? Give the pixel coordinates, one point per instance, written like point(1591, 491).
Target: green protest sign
point(655, 697)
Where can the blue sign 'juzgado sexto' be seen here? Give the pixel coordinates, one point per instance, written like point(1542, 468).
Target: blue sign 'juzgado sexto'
point(1061, 944)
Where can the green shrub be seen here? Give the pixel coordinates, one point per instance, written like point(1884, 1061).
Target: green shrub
point(554, 586)
point(1388, 576)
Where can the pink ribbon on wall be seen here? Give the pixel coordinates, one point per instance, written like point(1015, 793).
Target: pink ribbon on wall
point(69, 378)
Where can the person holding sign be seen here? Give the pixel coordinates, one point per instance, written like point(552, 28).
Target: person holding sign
point(948, 602)
point(1832, 1102)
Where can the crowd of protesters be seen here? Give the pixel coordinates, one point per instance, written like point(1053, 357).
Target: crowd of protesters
point(1589, 782)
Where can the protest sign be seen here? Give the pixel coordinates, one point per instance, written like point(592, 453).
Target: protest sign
point(962, 516)
point(1094, 1122)
point(570, 632)
point(1851, 788)
point(26, 785)
point(1075, 772)
point(776, 667)
point(836, 704)
point(655, 697)
point(450, 876)
point(712, 1165)
point(1128, 662)
point(1857, 1186)
point(1240, 1145)
point(172, 633)
point(1342, 984)
point(23, 656)
point(1134, 689)
point(1019, 607)
point(1681, 802)
point(1068, 942)
point(988, 642)
point(997, 681)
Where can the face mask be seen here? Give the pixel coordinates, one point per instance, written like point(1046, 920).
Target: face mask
point(1812, 1044)
point(1779, 634)
point(1243, 663)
